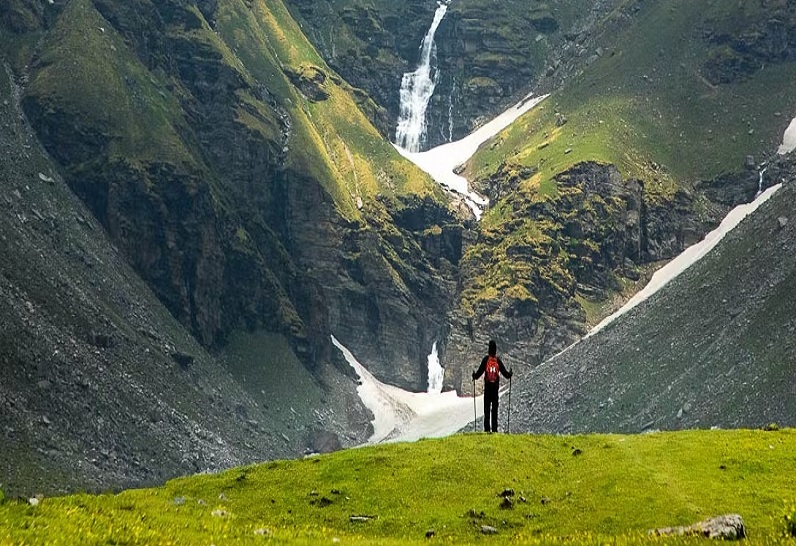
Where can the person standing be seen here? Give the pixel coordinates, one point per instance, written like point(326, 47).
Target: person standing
point(491, 368)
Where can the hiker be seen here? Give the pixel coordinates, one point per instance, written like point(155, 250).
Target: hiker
point(491, 366)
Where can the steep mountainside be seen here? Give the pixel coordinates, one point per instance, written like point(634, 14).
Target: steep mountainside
point(238, 174)
point(714, 347)
point(99, 385)
point(659, 129)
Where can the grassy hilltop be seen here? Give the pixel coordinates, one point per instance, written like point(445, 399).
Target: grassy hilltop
point(582, 489)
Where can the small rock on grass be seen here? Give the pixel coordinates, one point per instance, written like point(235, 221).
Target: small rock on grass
point(727, 527)
point(488, 530)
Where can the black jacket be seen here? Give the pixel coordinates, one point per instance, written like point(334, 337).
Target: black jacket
point(482, 368)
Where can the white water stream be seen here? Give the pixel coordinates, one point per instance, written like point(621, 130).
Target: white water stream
point(436, 372)
point(441, 161)
point(416, 90)
point(760, 176)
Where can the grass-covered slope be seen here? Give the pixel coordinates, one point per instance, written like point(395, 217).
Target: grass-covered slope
point(680, 91)
point(587, 489)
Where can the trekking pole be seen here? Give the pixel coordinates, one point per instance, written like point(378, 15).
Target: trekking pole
point(508, 427)
point(475, 413)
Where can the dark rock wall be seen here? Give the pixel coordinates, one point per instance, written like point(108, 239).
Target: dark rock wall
point(382, 287)
point(100, 387)
point(524, 282)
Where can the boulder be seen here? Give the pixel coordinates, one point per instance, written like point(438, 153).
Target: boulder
point(727, 527)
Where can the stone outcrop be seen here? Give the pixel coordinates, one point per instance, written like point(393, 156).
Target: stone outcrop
point(728, 527)
point(767, 41)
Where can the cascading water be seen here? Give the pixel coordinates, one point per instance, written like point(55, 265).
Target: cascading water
point(450, 114)
point(435, 372)
point(760, 181)
point(416, 90)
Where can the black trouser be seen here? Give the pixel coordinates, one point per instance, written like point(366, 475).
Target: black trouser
point(491, 399)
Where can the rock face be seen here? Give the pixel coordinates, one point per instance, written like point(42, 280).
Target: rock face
point(729, 527)
point(371, 44)
point(767, 41)
point(527, 281)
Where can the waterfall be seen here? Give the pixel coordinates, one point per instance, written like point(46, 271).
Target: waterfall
point(435, 372)
point(450, 114)
point(416, 90)
point(760, 182)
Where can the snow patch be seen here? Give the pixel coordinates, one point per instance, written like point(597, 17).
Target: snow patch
point(440, 162)
point(788, 139)
point(689, 256)
point(400, 415)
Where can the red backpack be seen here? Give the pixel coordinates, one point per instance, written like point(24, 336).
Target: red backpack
point(492, 369)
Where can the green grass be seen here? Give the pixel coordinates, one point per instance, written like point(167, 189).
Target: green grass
point(647, 101)
point(88, 71)
point(616, 489)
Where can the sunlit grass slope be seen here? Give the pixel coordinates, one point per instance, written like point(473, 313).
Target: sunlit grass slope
point(89, 72)
point(582, 489)
point(332, 140)
point(646, 105)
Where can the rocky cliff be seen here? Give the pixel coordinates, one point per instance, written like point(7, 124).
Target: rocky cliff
point(225, 161)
